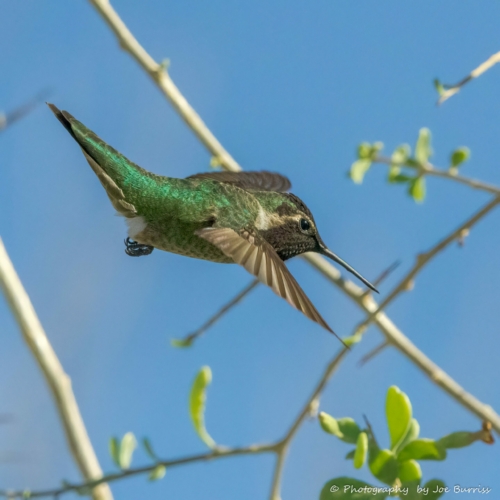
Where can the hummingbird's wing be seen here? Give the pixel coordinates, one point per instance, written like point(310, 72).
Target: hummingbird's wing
point(261, 181)
point(260, 259)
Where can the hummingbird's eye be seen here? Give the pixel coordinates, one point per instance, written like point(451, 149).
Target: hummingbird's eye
point(305, 225)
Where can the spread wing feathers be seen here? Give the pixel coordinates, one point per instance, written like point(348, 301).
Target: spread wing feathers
point(261, 181)
point(260, 259)
point(115, 194)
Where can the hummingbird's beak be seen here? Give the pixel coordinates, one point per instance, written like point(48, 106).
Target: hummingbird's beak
point(328, 253)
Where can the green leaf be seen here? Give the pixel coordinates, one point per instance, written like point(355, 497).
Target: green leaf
point(434, 485)
point(376, 148)
point(398, 413)
point(395, 177)
point(401, 155)
point(409, 470)
point(459, 156)
point(186, 342)
point(157, 473)
point(114, 450)
point(458, 439)
point(350, 430)
point(329, 424)
point(364, 150)
point(149, 449)
point(215, 161)
point(127, 447)
point(359, 169)
point(361, 450)
point(350, 455)
point(384, 466)
point(352, 339)
point(197, 399)
point(411, 435)
point(422, 449)
point(423, 150)
point(439, 87)
point(416, 189)
point(348, 488)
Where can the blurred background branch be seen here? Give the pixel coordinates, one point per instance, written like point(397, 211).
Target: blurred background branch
point(57, 380)
point(9, 118)
point(446, 91)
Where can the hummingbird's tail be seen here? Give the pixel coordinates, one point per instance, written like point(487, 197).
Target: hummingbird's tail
point(122, 179)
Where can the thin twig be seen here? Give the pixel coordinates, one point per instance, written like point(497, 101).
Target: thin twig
point(454, 89)
point(189, 339)
point(365, 302)
point(423, 258)
point(310, 404)
point(7, 119)
point(403, 344)
point(278, 447)
point(58, 381)
point(374, 352)
point(430, 169)
point(108, 478)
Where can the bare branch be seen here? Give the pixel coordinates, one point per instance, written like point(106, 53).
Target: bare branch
point(108, 478)
point(430, 169)
point(365, 301)
point(160, 76)
point(451, 90)
point(424, 258)
point(58, 381)
point(7, 119)
point(189, 339)
point(310, 405)
point(404, 345)
point(374, 352)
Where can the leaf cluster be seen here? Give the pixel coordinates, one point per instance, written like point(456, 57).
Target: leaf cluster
point(398, 465)
point(405, 168)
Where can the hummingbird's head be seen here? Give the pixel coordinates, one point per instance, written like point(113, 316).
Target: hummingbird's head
point(293, 232)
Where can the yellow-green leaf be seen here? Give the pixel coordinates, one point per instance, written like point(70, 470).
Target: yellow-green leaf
point(417, 189)
point(398, 413)
point(422, 449)
point(157, 473)
point(114, 450)
point(409, 470)
point(361, 450)
point(359, 169)
point(459, 156)
point(186, 342)
point(197, 399)
point(401, 155)
point(127, 447)
point(411, 435)
point(439, 87)
point(458, 439)
point(423, 150)
point(215, 161)
point(329, 424)
point(349, 428)
point(384, 466)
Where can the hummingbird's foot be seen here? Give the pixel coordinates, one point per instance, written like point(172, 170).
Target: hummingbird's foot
point(135, 249)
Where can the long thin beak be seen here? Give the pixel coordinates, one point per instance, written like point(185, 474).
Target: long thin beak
point(328, 253)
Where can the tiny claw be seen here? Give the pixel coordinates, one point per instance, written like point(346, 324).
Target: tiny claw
point(134, 249)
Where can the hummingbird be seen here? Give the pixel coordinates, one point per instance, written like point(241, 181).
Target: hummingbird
point(248, 218)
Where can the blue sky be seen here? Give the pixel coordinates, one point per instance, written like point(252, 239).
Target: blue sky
point(286, 86)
